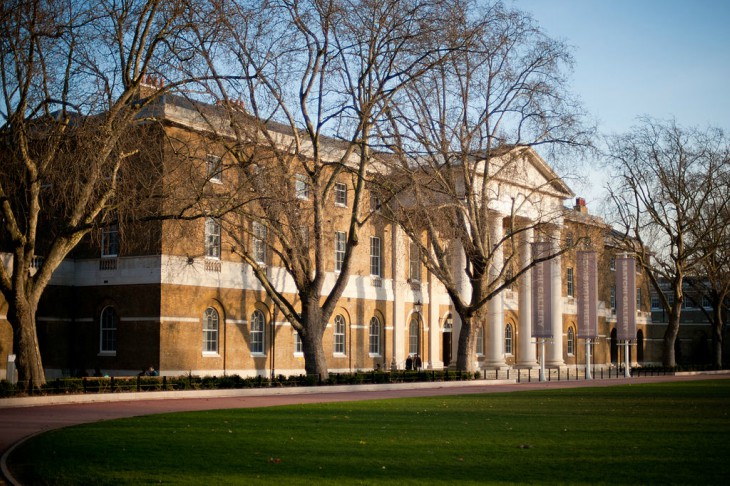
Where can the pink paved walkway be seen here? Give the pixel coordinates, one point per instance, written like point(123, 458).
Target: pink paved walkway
point(19, 422)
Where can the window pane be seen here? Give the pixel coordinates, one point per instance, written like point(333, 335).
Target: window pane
point(339, 334)
point(110, 241)
point(258, 240)
point(339, 250)
point(257, 332)
point(214, 168)
point(374, 335)
point(375, 256)
point(508, 339)
point(340, 194)
point(480, 340)
point(210, 330)
point(413, 341)
point(212, 238)
point(108, 330)
point(301, 187)
point(415, 263)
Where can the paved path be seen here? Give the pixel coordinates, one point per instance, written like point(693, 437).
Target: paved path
point(20, 419)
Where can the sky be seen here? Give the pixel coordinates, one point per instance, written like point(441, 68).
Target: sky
point(661, 58)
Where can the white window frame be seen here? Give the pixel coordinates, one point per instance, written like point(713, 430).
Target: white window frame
point(571, 341)
point(480, 340)
point(257, 333)
point(414, 263)
point(509, 340)
point(341, 194)
point(570, 282)
point(339, 335)
point(214, 168)
point(211, 325)
point(110, 241)
point(376, 267)
point(298, 346)
point(414, 337)
point(374, 336)
point(301, 187)
point(212, 239)
point(258, 242)
point(108, 330)
point(340, 247)
point(613, 298)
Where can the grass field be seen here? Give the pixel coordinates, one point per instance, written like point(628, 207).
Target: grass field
point(673, 433)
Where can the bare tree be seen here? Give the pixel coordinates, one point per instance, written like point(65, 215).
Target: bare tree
point(70, 134)
point(710, 232)
point(304, 82)
point(665, 180)
point(463, 134)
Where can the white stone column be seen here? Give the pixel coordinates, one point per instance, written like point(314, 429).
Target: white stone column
point(434, 327)
point(494, 347)
point(400, 286)
point(555, 349)
point(526, 350)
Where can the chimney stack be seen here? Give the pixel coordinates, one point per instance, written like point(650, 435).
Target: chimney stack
point(580, 205)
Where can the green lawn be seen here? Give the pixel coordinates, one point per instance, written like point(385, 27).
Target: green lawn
point(674, 433)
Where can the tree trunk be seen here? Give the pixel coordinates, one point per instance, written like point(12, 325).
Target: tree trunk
point(315, 361)
point(670, 337)
point(717, 338)
point(467, 345)
point(22, 318)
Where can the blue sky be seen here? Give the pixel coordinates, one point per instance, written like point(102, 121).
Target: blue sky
point(662, 58)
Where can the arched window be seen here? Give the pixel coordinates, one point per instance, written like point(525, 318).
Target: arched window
point(375, 336)
point(508, 335)
point(257, 332)
point(210, 331)
point(339, 334)
point(571, 341)
point(414, 336)
point(108, 335)
point(480, 340)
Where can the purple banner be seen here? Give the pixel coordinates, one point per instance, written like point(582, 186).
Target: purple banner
point(587, 294)
point(542, 323)
point(625, 297)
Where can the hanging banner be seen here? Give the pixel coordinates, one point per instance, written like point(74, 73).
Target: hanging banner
point(625, 297)
point(587, 295)
point(542, 324)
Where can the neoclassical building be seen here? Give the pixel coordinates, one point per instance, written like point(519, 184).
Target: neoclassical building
point(179, 297)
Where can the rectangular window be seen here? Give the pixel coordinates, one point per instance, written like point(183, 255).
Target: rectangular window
point(298, 348)
point(374, 202)
point(612, 263)
point(340, 194)
point(375, 263)
point(258, 242)
point(212, 239)
point(570, 282)
point(110, 241)
point(656, 303)
point(415, 263)
point(613, 298)
point(214, 168)
point(301, 187)
point(638, 298)
point(339, 250)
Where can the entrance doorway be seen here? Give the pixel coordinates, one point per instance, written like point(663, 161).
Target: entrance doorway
point(446, 344)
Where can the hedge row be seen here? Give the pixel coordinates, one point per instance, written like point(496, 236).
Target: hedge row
point(63, 386)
